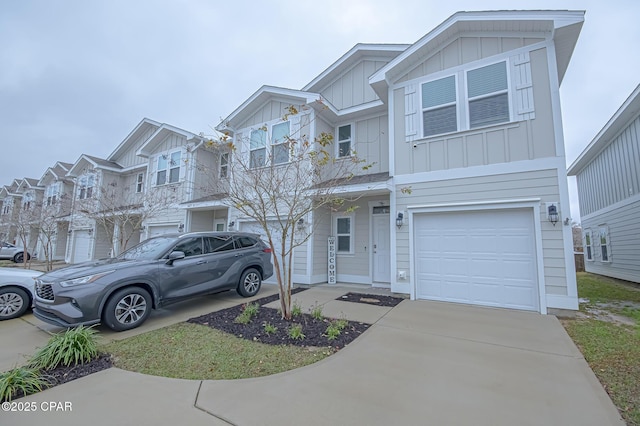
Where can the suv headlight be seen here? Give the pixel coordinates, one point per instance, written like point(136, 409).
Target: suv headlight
point(84, 280)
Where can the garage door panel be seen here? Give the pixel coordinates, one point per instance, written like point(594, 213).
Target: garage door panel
point(481, 257)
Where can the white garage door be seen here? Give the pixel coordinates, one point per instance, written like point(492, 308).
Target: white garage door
point(482, 258)
point(162, 229)
point(81, 246)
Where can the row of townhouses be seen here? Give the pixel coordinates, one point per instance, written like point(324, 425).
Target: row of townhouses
point(468, 117)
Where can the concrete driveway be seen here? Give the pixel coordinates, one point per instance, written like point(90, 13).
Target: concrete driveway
point(420, 363)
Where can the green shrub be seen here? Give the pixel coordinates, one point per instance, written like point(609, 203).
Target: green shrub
point(27, 380)
point(74, 346)
point(316, 312)
point(332, 332)
point(249, 311)
point(295, 332)
point(269, 328)
point(296, 310)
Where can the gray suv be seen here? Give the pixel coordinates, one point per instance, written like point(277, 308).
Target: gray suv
point(121, 292)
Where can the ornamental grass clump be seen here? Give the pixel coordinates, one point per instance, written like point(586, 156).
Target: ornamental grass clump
point(21, 380)
point(74, 346)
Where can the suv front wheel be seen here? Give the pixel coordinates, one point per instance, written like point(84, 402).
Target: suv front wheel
point(250, 282)
point(127, 308)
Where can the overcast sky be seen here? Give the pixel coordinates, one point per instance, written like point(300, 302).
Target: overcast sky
point(77, 76)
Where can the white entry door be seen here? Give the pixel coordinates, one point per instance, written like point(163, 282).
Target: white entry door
point(81, 246)
point(381, 249)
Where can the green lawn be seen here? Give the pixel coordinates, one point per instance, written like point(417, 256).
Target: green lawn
point(612, 350)
point(192, 351)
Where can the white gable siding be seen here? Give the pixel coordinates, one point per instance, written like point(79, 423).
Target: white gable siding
point(614, 175)
point(352, 87)
point(272, 110)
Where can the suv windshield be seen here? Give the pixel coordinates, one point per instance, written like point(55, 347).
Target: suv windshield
point(149, 249)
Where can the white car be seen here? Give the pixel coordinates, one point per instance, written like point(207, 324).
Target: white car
point(12, 252)
point(16, 291)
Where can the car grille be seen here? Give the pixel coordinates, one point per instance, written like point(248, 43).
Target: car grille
point(44, 290)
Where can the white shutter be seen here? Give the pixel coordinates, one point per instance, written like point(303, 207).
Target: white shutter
point(185, 163)
point(522, 85)
point(411, 116)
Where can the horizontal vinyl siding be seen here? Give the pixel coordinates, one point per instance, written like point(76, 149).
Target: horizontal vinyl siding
point(624, 235)
point(102, 243)
point(614, 175)
point(300, 260)
point(321, 232)
point(541, 184)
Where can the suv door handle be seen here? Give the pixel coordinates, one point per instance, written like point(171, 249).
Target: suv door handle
point(239, 255)
point(201, 262)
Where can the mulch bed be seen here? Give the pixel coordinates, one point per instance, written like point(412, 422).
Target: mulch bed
point(371, 299)
point(313, 329)
point(62, 374)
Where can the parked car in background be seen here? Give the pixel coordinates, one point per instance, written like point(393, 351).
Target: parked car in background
point(121, 292)
point(16, 291)
point(11, 252)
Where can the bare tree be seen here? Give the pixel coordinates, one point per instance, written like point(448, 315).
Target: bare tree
point(120, 213)
point(280, 190)
point(27, 224)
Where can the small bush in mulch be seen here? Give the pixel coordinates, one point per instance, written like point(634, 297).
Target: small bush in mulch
point(267, 326)
point(371, 299)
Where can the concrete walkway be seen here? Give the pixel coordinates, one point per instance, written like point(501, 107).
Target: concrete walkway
point(420, 363)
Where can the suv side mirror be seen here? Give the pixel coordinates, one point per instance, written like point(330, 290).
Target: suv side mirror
point(175, 255)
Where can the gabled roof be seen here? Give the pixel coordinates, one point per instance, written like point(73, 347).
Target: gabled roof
point(57, 172)
point(95, 162)
point(161, 134)
point(142, 127)
point(357, 53)
point(629, 110)
point(260, 98)
point(28, 183)
point(562, 25)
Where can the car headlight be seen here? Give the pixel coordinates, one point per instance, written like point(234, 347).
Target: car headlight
point(84, 280)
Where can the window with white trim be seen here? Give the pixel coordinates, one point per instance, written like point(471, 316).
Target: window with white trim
point(139, 182)
point(344, 234)
point(51, 193)
point(446, 108)
point(344, 140)
point(588, 245)
point(487, 92)
point(605, 251)
point(168, 170)
point(224, 165)
point(439, 106)
point(258, 148)
point(85, 186)
point(280, 143)
point(27, 200)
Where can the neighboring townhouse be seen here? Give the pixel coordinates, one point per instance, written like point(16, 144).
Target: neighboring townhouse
point(467, 197)
point(133, 193)
point(608, 177)
point(28, 221)
point(56, 211)
point(11, 203)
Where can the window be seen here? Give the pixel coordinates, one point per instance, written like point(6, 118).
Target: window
point(218, 244)
point(344, 234)
point(344, 141)
point(605, 252)
point(190, 247)
point(168, 168)
point(488, 96)
point(244, 242)
point(588, 249)
point(487, 100)
point(224, 165)
point(85, 186)
point(27, 199)
point(258, 148)
point(439, 110)
point(280, 143)
point(139, 182)
point(51, 193)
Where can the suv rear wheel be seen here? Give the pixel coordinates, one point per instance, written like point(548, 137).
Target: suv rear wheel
point(250, 282)
point(127, 308)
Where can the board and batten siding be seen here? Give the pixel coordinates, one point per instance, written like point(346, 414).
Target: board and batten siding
point(530, 136)
point(272, 110)
point(623, 223)
point(463, 50)
point(541, 184)
point(351, 88)
point(129, 157)
point(614, 175)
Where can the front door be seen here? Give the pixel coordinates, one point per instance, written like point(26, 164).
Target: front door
point(381, 248)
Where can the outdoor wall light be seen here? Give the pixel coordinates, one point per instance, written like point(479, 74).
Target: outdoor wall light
point(231, 225)
point(181, 227)
point(400, 220)
point(552, 213)
point(301, 223)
